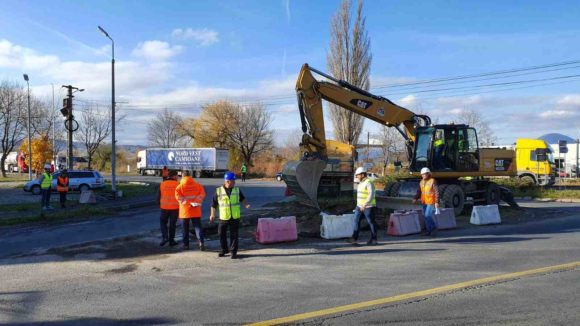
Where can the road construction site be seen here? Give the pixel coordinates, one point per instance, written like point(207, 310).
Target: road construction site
point(111, 270)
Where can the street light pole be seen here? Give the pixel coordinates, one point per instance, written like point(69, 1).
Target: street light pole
point(113, 141)
point(53, 131)
point(29, 136)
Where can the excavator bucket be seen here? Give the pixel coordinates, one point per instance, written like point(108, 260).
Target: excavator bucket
point(303, 178)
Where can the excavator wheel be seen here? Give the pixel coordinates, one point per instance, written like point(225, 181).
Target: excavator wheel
point(454, 197)
point(395, 189)
point(388, 188)
point(492, 194)
point(441, 188)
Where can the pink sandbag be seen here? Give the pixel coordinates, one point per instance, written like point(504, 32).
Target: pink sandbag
point(403, 223)
point(419, 214)
point(273, 230)
point(445, 219)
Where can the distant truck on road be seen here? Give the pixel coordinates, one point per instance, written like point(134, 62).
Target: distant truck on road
point(534, 161)
point(202, 161)
point(15, 162)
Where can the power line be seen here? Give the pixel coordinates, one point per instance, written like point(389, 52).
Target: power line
point(436, 80)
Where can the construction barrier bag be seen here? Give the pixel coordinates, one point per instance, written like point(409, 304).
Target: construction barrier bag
point(419, 212)
point(336, 226)
point(87, 197)
point(403, 223)
point(481, 215)
point(273, 230)
point(445, 219)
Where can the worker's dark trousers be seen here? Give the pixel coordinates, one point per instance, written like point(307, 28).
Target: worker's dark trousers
point(45, 197)
point(168, 216)
point(196, 222)
point(369, 214)
point(244, 177)
point(62, 198)
point(234, 225)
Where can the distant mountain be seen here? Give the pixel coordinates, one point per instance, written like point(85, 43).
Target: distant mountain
point(553, 138)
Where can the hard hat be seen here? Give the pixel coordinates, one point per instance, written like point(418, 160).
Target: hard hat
point(47, 166)
point(360, 169)
point(229, 176)
point(425, 171)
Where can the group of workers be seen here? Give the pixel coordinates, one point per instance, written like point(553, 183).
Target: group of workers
point(366, 204)
point(183, 200)
point(62, 185)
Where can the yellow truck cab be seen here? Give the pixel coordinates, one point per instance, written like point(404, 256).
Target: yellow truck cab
point(538, 169)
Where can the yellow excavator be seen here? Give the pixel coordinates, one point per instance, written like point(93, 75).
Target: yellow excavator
point(450, 151)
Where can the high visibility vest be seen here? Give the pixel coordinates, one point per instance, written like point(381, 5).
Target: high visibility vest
point(461, 145)
point(46, 181)
point(427, 191)
point(438, 142)
point(62, 181)
point(244, 169)
point(229, 205)
point(189, 191)
point(362, 193)
point(167, 190)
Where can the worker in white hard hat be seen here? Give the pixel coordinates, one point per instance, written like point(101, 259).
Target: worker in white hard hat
point(45, 186)
point(429, 198)
point(365, 205)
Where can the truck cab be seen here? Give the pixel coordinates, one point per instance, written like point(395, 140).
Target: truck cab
point(533, 165)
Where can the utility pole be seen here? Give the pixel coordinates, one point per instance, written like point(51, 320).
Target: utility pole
point(577, 157)
point(368, 146)
point(67, 113)
point(29, 135)
point(53, 131)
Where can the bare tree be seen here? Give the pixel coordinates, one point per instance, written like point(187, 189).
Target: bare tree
point(13, 113)
point(224, 124)
point(392, 144)
point(474, 119)
point(164, 131)
point(349, 59)
point(94, 127)
point(211, 128)
point(290, 150)
point(252, 135)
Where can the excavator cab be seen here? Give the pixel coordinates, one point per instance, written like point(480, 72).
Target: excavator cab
point(446, 148)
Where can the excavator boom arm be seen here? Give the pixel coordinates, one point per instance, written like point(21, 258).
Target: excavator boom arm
point(311, 92)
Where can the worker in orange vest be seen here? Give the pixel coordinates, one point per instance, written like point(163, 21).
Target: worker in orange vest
point(62, 186)
point(190, 195)
point(165, 173)
point(429, 194)
point(169, 208)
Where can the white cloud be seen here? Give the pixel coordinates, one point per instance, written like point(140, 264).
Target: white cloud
point(156, 50)
point(288, 13)
point(204, 36)
point(15, 56)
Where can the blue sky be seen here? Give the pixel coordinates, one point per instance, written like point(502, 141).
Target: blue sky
point(181, 54)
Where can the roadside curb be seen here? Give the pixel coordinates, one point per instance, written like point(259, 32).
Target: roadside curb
point(559, 200)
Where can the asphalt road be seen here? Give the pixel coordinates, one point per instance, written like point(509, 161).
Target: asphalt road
point(21, 240)
point(136, 282)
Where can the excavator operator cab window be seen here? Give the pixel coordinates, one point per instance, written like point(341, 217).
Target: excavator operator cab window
point(467, 150)
point(422, 157)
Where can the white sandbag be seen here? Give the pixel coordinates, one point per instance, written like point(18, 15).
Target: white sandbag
point(482, 215)
point(336, 226)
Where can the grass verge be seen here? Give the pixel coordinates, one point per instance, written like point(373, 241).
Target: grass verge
point(57, 215)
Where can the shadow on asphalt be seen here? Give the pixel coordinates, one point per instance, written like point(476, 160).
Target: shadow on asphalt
point(486, 240)
point(100, 322)
point(336, 253)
